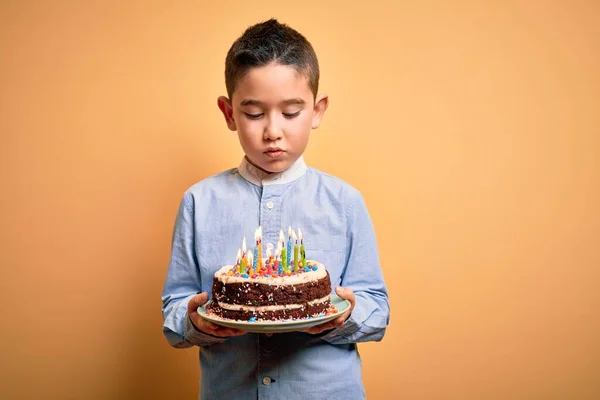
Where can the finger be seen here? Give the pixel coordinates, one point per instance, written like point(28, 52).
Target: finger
point(197, 301)
point(226, 332)
point(346, 294)
point(208, 325)
point(203, 324)
point(320, 328)
point(234, 332)
point(220, 333)
point(339, 321)
point(217, 330)
point(325, 327)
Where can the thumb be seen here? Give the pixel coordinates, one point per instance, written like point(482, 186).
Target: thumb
point(346, 294)
point(197, 301)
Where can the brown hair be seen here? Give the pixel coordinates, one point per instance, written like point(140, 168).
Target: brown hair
point(268, 42)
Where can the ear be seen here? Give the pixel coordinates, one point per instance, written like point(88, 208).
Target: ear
point(227, 110)
point(321, 104)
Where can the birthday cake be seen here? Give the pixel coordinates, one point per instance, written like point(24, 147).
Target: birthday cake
point(276, 288)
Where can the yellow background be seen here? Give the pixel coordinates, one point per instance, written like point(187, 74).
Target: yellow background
point(471, 128)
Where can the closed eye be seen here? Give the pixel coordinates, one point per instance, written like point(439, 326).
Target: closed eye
point(292, 115)
point(253, 116)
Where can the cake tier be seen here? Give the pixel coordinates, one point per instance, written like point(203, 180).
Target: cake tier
point(263, 294)
point(272, 313)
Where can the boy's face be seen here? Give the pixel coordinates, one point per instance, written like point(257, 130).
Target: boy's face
point(273, 111)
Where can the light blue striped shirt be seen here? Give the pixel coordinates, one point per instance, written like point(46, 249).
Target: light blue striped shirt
point(214, 215)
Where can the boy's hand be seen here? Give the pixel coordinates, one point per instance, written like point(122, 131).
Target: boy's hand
point(346, 294)
point(207, 326)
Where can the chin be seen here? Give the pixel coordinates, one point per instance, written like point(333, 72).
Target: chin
point(276, 167)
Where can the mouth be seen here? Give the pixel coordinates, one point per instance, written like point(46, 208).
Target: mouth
point(274, 152)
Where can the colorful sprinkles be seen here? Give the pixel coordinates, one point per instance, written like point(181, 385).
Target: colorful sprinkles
point(270, 271)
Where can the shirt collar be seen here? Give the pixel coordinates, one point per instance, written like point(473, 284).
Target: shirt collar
point(260, 178)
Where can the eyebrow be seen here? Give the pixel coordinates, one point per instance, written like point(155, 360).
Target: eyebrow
point(251, 102)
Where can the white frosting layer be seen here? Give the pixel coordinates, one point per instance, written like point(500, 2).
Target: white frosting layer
point(238, 307)
point(280, 280)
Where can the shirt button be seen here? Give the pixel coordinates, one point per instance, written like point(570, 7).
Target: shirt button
point(270, 205)
point(266, 381)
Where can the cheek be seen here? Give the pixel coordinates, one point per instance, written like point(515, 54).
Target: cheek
point(301, 125)
point(301, 131)
point(307, 117)
point(247, 140)
point(249, 130)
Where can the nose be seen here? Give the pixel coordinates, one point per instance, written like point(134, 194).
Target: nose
point(272, 129)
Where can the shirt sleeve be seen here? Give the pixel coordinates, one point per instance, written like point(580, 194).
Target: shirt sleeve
point(182, 283)
point(363, 275)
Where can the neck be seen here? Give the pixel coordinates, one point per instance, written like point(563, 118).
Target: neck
point(256, 166)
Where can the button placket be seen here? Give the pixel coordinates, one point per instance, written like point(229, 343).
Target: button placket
point(270, 212)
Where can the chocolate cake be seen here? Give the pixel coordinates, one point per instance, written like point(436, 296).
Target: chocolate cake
point(303, 293)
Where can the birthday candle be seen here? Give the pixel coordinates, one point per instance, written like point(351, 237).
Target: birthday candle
point(255, 257)
point(268, 259)
point(295, 251)
point(289, 246)
point(284, 259)
point(243, 262)
point(277, 255)
point(238, 257)
point(279, 258)
point(302, 251)
point(250, 263)
point(259, 262)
